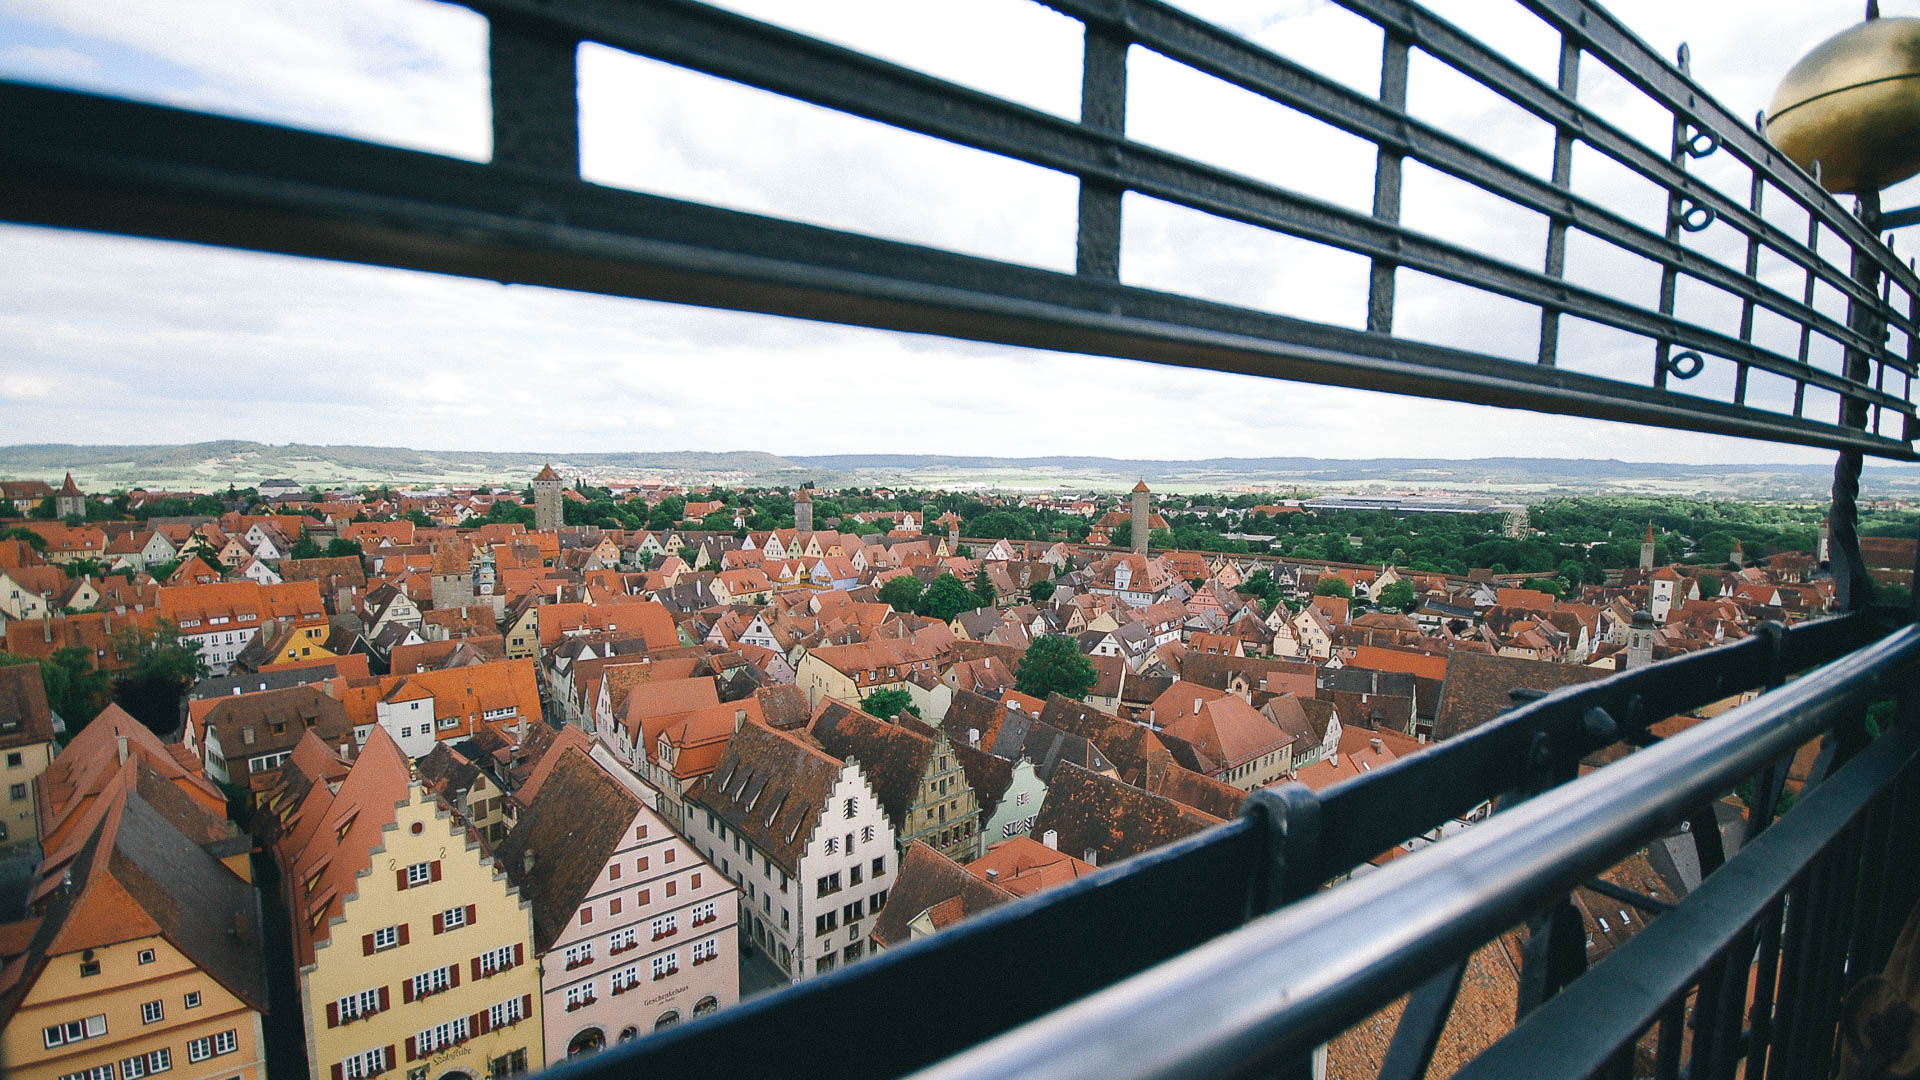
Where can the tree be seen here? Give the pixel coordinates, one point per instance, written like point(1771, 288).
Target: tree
point(947, 597)
point(887, 704)
point(1399, 596)
point(45, 511)
point(75, 688)
point(1709, 586)
point(983, 588)
point(304, 548)
point(33, 539)
point(902, 593)
point(1054, 665)
point(160, 664)
point(341, 547)
point(419, 519)
point(1040, 591)
point(1551, 586)
point(1333, 586)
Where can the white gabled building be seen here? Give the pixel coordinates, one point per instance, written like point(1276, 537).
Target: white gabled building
point(806, 839)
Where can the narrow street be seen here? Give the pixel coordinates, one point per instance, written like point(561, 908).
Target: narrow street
point(286, 1036)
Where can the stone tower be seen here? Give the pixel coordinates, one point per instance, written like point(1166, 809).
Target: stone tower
point(546, 499)
point(1822, 550)
point(69, 501)
point(1640, 636)
point(452, 577)
point(1646, 550)
point(1738, 556)
point(1140, 526)
point(803, 511)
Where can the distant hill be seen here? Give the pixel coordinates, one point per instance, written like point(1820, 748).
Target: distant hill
point(210, 465)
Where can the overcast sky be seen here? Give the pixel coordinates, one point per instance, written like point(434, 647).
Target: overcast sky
point(112, 340)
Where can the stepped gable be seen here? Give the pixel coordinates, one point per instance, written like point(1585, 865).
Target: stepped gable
point(893, 758)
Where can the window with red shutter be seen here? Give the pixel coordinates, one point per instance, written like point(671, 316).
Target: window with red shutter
point(400, 879)
point(613, 872)
point(475, 962)
point(412, 1044)
point(640, 864)
point(478, 1024)
point(333, 1014)
point(406, 991)
point(384, 1001)
point(366, 945)
point(403, 933)
point(586, 915)
point(435, 870)
point(639, 832)
point(519, 954)
point(526, 1004)
point(338, 1072)
point(696, 881)
point(390, 1059)
point(672, 887)
point(439, 922)
point(646, 897)
point(471, 912)
point(453, 974)
point(670, 855)
point(613, 906)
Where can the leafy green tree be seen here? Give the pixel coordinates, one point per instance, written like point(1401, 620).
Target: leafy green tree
point(160, 665)
point(83, 568)
point(1333, 586)
point(46, 511)
point(75, 688)
point(207, 506)
point(902, 593)
point(304, 548)
point(947, 597)
point(1054, 665)
point(983, 587)
point(1041, 591)
point(419, 519)
point(20, 532)
point(1553, 587)
point(1709, 587)
point(887, 704)
point(1399, 596)
point(340, 547)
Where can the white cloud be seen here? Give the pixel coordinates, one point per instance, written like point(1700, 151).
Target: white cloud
point(106, 339)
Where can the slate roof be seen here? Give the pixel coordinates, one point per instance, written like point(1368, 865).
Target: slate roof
point(573, 826)
point(1094, 813)
point(784, 780)
point(1475, 690)
point(987, 775)
point(927, 881)
point(1046, 746)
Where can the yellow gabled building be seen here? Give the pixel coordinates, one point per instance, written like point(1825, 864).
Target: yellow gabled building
point(415, 953)
point(142, 954)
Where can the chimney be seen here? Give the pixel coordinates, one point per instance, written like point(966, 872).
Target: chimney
point(120, 745)
point(526, 862)
point(993, 875)
point(1378, 746)
point(1197, 702)
point(1051, 839)
point(739, 718)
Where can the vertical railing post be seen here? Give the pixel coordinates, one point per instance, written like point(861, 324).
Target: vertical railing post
point(535, 93)
point(1387, 169)
point(1563, 139)
point(1103, 108)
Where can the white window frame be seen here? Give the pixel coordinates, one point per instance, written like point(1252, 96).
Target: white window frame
point(355, 1006)
point(386, 937)
point(453, 918)
point(152, 1012)
point(506, 1012)
point(73, 1031)
point(436, 981)
point(364, 1064)
point(496, 961)
point(450, 1033)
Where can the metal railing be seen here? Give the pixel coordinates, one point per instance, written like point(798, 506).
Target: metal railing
point(1219, 954)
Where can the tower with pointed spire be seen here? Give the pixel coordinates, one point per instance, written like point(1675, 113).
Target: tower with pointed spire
point(546, 499)
point(1738, 557)
point(69, 501)
point(803, 511)
point(1140, 526)
point(1646, 550)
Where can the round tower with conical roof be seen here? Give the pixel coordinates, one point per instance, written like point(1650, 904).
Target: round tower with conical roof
point(546, 499)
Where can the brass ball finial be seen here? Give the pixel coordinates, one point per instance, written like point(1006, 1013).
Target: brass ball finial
point(1851, 107)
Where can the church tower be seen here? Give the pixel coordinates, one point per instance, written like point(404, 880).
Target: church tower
point(1140, 526)
point(546, 499)
point(1646, 550)
point(803, 512)
point(1640, 637)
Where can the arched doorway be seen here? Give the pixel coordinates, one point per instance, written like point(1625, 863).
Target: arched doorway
point(629, 1033)
point(586, 1042)
point(708, 1004)
point(667, 1019)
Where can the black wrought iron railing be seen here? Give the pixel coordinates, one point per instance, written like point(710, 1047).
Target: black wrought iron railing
point(1221, 954)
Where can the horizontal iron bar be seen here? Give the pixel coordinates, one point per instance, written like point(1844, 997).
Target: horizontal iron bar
point(1607, 38)
point(1412, 795)
point(1275, 989)
point(1225, 55)
point(1475, 60)
point(1576, 1032)
point(82, 161)
point(737, 48)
